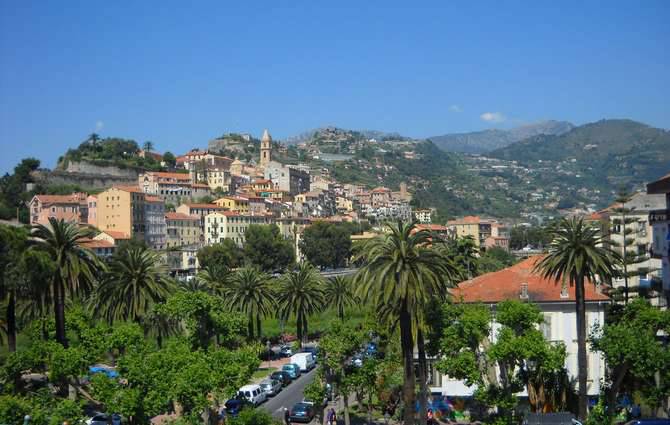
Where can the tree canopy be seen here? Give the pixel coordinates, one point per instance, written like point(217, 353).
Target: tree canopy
point(326, 244)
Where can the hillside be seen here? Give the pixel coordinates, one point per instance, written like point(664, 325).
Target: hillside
point(485, 141)
point(607, 153)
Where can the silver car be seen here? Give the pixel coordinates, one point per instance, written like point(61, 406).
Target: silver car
point(271, 387)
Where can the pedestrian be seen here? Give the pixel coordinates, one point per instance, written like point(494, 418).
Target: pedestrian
point(334, 416)
point(287, 416)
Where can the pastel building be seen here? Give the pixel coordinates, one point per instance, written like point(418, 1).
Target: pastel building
point(182, 229)
point(71, 208)
point(660, 222)
point(230, 225)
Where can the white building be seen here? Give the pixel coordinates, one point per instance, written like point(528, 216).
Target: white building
point(660, 221)
point(423, 215)
point(558, 307)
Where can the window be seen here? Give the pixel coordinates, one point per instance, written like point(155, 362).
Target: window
point(641, 249)
point(545, 327)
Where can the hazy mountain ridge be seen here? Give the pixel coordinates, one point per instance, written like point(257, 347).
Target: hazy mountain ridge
point(478, 142)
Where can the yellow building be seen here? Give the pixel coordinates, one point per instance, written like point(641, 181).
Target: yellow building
point(122, 209)
point(230, 225)
point(238, 204)
point(479, 229)
point(182, 229)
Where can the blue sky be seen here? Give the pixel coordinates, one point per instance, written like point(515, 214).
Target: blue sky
point(179, 73)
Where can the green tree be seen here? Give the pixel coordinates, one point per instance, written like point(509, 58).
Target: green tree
point(625, 228)
point(169, 159)
point(300, 293)
point(339, 294)
point(220, 256)
point(76, 265)
point(326, 244)
point(401, 275)
point(249, 291)
point(635, 356)
point(578, 253)
point(265, 248)
point(494, 259)
point(134, 283)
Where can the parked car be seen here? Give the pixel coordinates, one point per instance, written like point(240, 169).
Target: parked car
point(371, 349)
point(649, 421)
point(252, 393)
point(285, 351)
point(302, 412)
point(304, 360)
point(110, 371)
point(357, 360)
point(314, 351)
point(99, 419)
point(292, 369)
point(234, 406)
point(271, 387)
point(282, 376)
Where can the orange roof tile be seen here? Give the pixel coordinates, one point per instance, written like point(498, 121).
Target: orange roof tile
point(201, 205)
point(96, 243)
point(381, 190)
point(177, 176)
point(200, 185)
point(151, 198)
point(116, 235)
point(506, 285)
point(432, 227)
point(180, 216)
point(131, 189)
point(57, 199)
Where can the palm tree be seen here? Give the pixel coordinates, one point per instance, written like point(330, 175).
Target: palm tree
point(160, 326)
point(339, 294)
point(401, 275)
point(249, 291)
point(300, 293)
point(148, 146)
point(210, 279)
point(76, 265)
point(578, 253)
point(134, 283)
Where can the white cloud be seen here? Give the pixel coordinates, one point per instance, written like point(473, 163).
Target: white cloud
point(455, 108)
point(492, 117)
point(99, 125)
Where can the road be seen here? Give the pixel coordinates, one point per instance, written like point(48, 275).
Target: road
point(289, 395)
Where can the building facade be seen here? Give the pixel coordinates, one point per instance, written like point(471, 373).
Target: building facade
point(170, 187)
point(230, 225)
point(71, 208)
point(266, 149)
point(182, 230)
point(660, 222)
point(154, 216)
point(557, 305)
point(122, 209)
point(287, 178)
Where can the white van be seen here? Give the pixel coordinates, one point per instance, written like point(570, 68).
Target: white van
point(304, 360)
point(253, 393)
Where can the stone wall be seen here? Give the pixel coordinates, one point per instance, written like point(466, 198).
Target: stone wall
point(83, 167)
point(85, 180)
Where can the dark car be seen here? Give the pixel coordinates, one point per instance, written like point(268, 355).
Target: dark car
point(235, 405)
point(649, 421)
point(282, 377)
point(314, 351)
point(302, 412)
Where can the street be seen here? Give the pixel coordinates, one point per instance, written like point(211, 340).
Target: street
point(289, 395)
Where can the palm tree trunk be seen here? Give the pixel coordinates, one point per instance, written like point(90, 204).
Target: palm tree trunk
point(582, 366)
point(11, 321)
point(340, 312)
point(299, 326)
point(407, 347)
point(258, 326)
point(423, 386)
point(305, 333)
point(250, 327)
point(59, 311)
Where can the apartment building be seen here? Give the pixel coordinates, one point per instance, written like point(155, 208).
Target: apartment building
point(380, 196)
point(423, 215)
point(155, 227)
point(182, 229)
point(203, 160)
point(480, 230)
point(92, 201)
point(171, 187)
point(638, 235)
point(230, 225)
point(122, 209)
point(214, 178)
point(235, 203)
point(72, 208)
point(200, 210)
point(288, 178)
point(660, 222)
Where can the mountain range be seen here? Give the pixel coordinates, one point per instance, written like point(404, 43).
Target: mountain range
point(478, 142)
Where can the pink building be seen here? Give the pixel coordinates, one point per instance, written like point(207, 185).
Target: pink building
point(92, 210)
point(72, 208)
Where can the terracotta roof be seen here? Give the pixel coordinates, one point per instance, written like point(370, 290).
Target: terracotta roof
point(180, 216)
point(200, 185)
point(661, 185)
point(116, 235)
point(151, 198)
point(177, 176)
point(506, 285)
point(381, 190)
point(57, 199)
point(469, 219)
point(196, 205)
point(432, 227)
point(262, 181)
point(234, 198)
point(131, 189)
point(96, 243)
point(180, 159)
